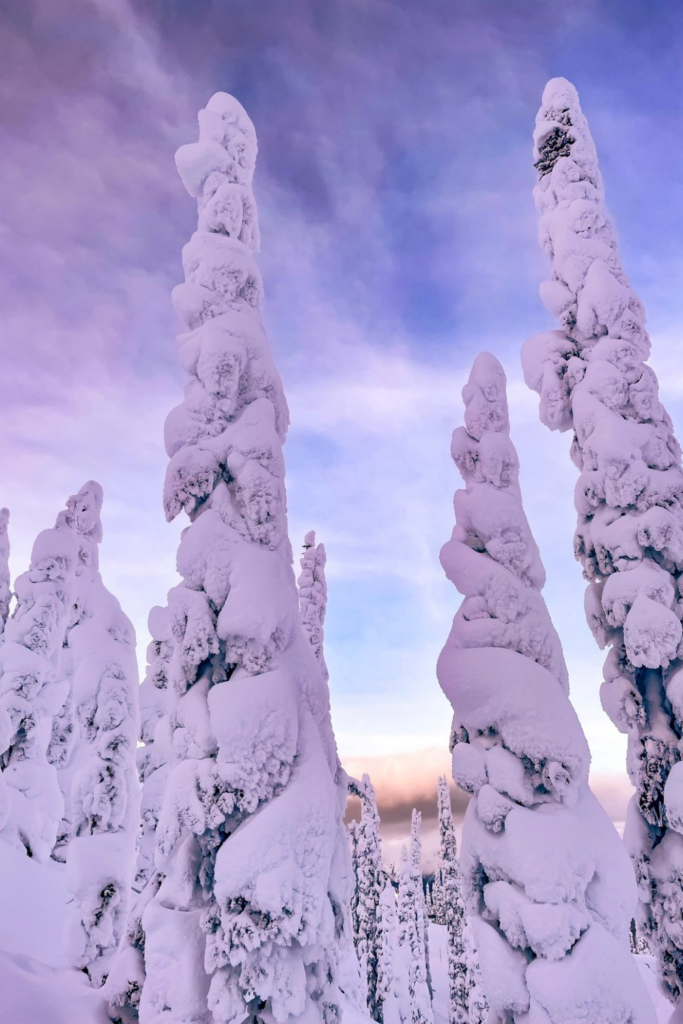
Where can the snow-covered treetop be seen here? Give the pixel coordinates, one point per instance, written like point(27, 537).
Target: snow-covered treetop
point(562, 131)
point(234, 412)
point(82, 515)
point(312, 587)
point(492, 557)
point(588, 292)
point(592, 377)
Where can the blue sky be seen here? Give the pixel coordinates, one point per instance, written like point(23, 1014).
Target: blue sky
point(399, 239)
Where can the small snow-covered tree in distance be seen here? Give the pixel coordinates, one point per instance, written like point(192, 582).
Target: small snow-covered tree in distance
point(593, 379)
point(452, 907)
point(5, 589)
point(414, 991)
point(249, 916)
point(370, 881)
point(155, 757)
point(477, 1007)
point(548, 884)
point(421, 905)
point(390, 1010)
point(96, 766)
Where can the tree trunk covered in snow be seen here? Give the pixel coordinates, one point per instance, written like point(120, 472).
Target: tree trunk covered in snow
point(452, 908)
point(546, 879)
point(593, 379)
point(370, 880)
point(249, 916)
point(93, 746)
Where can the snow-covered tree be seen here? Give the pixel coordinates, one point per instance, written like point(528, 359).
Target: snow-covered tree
point(593, 379)
point(156, 732)
point(429, 900)
point(32, 692)
point(249, 916)
point(390, 1009)
point(5, 589)
point(421, 906)
point(452, 907)
point(547, 882)
point(477, 1007)
point(126, 980)
point(370, 882)
point(93, 746)
point(412, 971)
point(312, 587)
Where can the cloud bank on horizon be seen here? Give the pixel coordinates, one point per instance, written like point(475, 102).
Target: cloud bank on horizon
point(394, 185)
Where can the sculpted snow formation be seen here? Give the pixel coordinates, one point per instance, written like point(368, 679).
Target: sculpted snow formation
point(546, 878)
point(231, 924)
point(593, 379)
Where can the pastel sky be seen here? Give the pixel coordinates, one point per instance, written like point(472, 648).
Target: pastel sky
point(399, 239)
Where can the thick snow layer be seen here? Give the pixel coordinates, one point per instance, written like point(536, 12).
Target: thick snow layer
point(499, 694)
point(36, 985)
point(33, 993)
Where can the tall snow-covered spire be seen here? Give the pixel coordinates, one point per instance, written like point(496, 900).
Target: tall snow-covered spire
point(5, 589)
point(248, 919)
point(592, 378)
point(547, 881)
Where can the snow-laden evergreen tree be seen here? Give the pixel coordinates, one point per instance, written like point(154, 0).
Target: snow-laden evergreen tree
point(390, 1009)
point(248, 919)
point(33, 691)
point(93, 746)
point(157, 734)
point(429, 900)
point(421, 906)
point(155, 757)
point(452, 907)
point(593, 379)
point(547, 882)
point(477, 1007)
point(5, 589)
point(370, 882)
point(312, 587)
point(412, 965)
